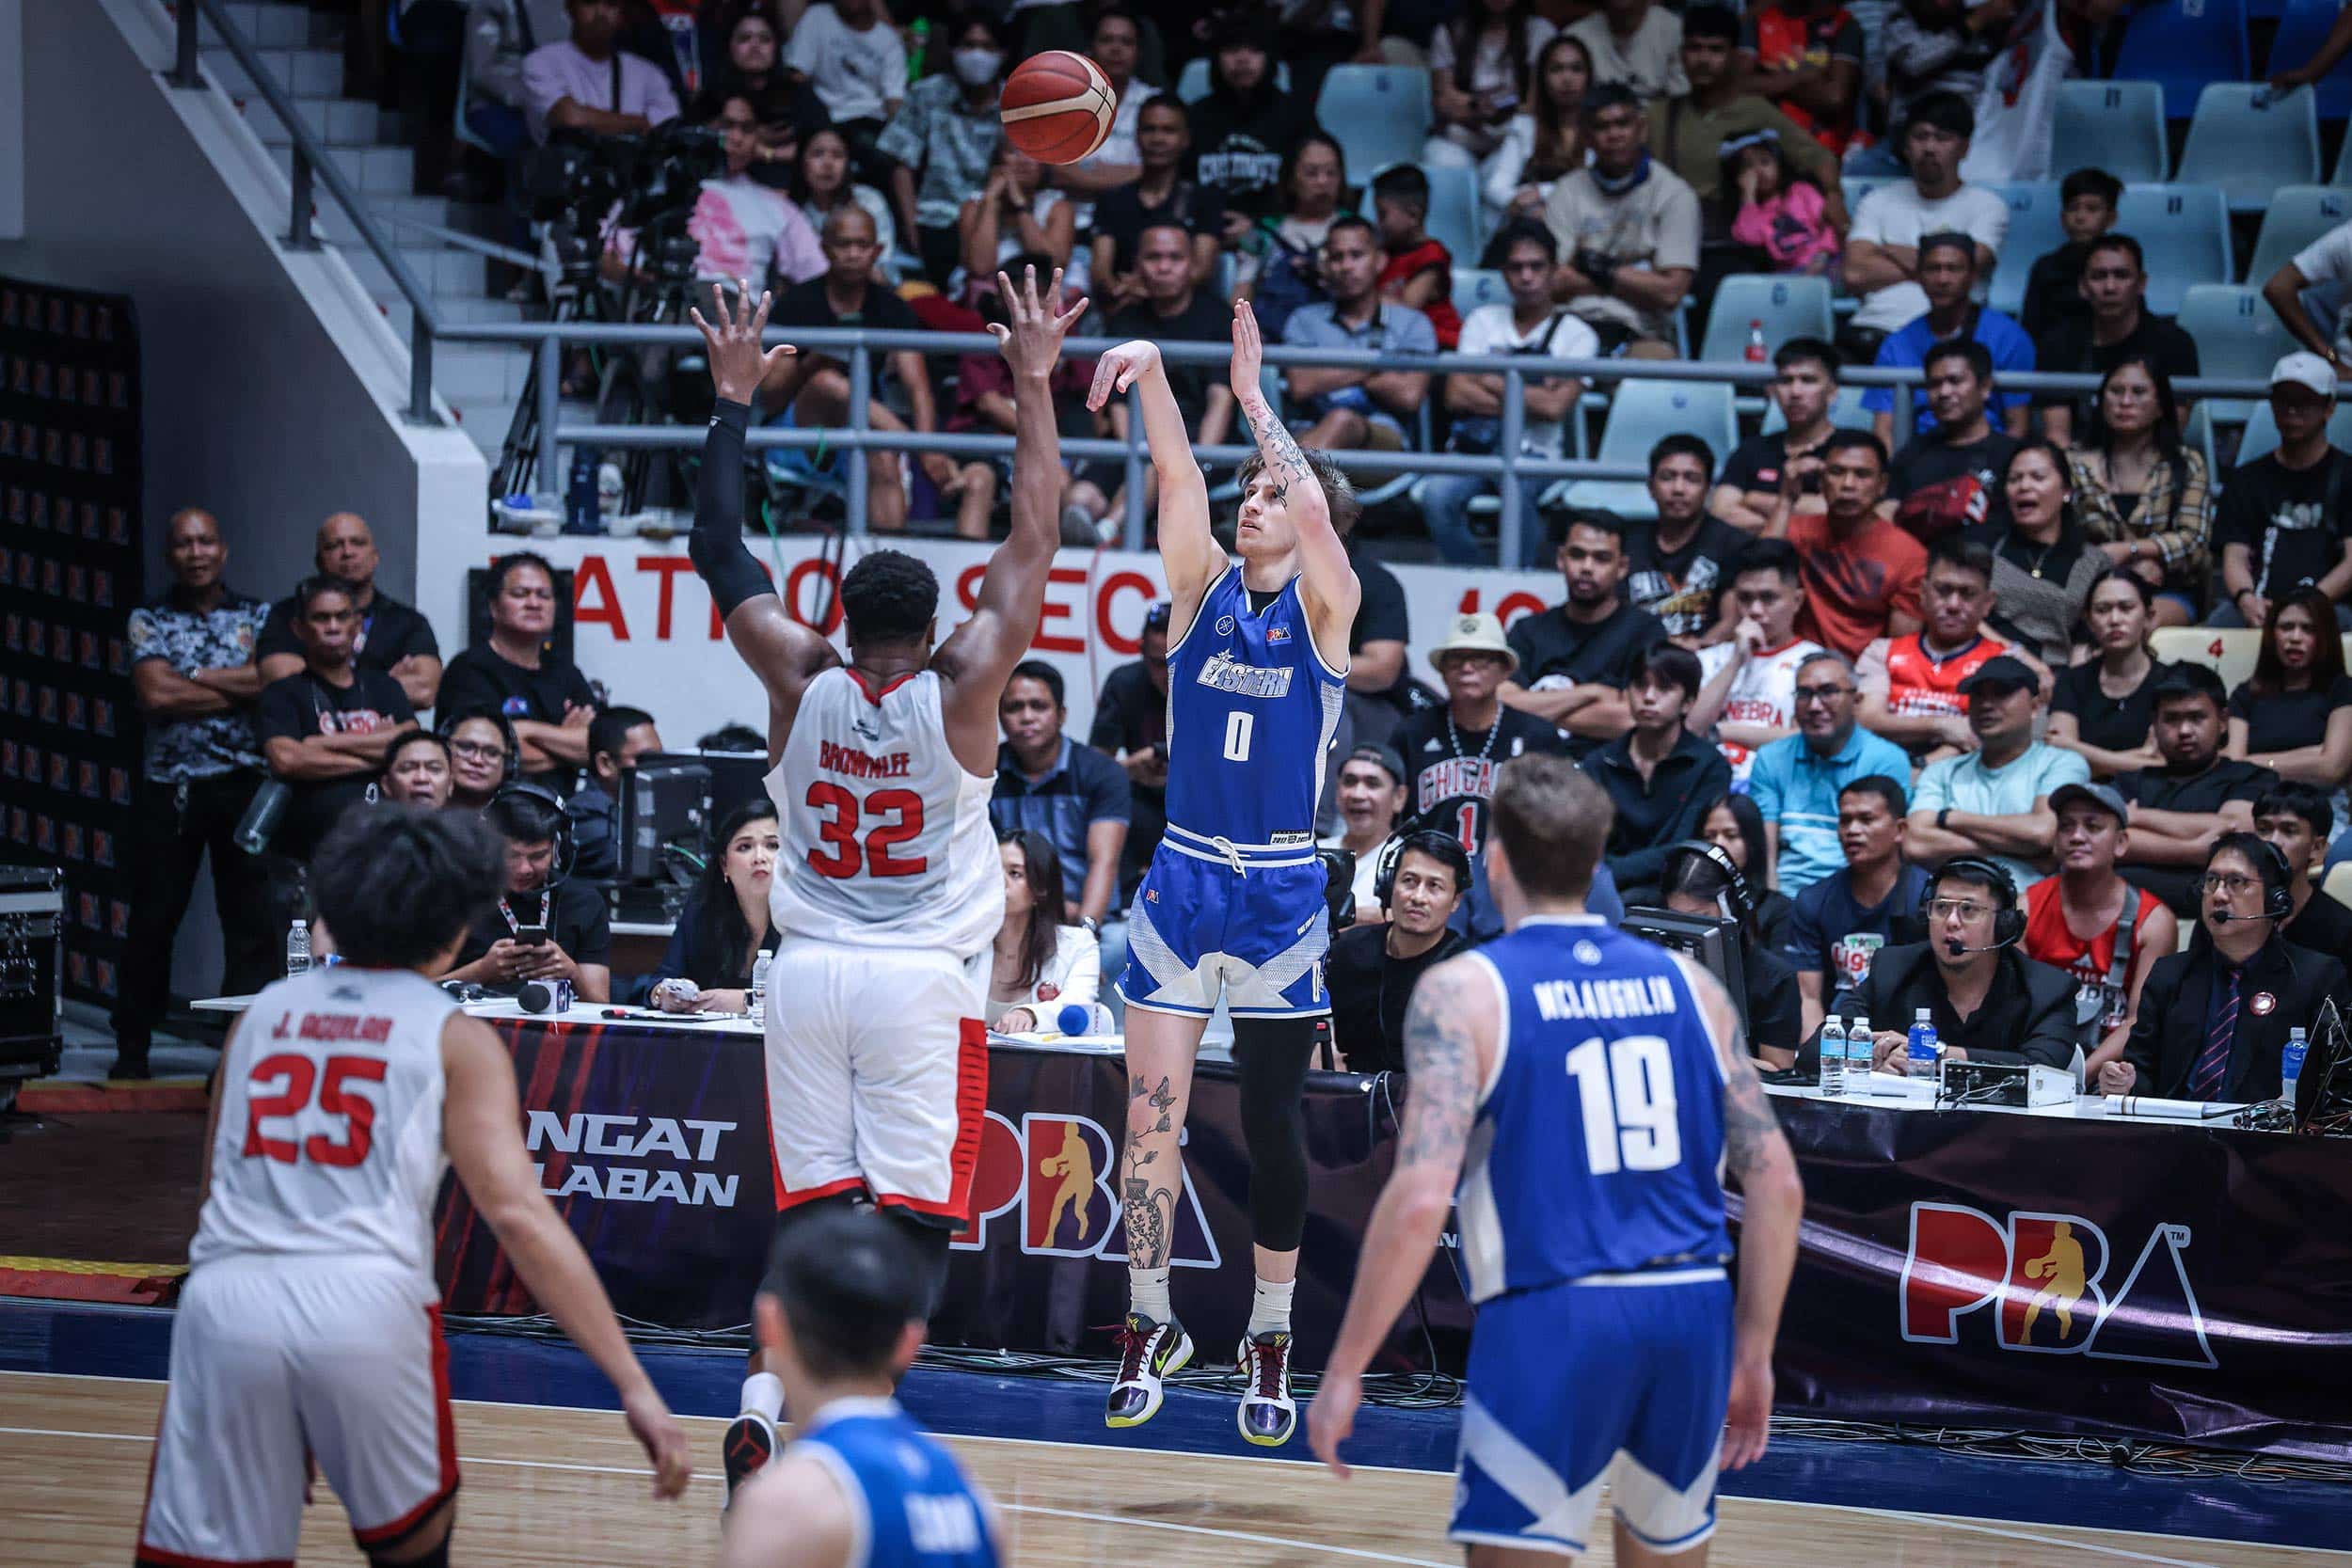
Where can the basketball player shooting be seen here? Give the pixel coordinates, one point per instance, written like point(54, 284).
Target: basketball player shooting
point(310, 1326)
point(1233, 902)
point(1595, 1084)
point(889, 890)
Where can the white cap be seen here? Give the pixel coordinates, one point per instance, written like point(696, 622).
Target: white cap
point(2304, 369)
point(1922, 1015)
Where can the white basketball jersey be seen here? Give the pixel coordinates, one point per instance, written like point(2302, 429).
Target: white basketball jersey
point(1763, 693)
point(886, 838)
point(329, 1141)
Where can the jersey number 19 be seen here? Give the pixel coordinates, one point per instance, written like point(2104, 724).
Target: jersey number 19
point(1626, 1089)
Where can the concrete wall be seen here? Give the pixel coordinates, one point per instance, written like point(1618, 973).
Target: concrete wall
point(273, 384)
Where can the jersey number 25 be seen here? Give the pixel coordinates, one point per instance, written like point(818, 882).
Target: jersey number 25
point(295, 1077)
point(841, 854)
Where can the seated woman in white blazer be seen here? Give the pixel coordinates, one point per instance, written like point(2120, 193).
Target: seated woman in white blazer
point(1041, 965)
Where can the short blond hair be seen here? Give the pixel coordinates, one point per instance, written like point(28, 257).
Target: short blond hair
point(1552, 819)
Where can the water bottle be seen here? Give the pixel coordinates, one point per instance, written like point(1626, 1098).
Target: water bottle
point(579, 495)
point(918, 58)
point(1832, 1055)
point(1923, 1049)
point(760, 984)
point(1857, 1047)
point(1758, 352)
point(298, 949)
point(611, 487)
point(2291, 1067)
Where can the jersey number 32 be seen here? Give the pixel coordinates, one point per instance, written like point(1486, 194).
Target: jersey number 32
point(897, 815)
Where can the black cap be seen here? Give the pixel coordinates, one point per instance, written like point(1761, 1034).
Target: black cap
point(1385, 757)
point(2004, 671)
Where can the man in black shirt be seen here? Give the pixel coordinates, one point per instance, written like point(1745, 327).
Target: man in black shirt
point(1575, 659)
point(1160, 193)
point(1766, 473)
point(1131, 728)
point(1989, 1002)
point(2088, 199)
point(548, 924)
point(393, 637)
point(2178, 809)
point(326, 730)
point(1169, 308)
point(1681, 564)
point(547, 699)
point(2295, 819)
point(1372, 969)
point(1244, 128)
point(2285, 518)
point(1659, 775)
point(2117, 327)
point(1955, 471)
point(616, 740)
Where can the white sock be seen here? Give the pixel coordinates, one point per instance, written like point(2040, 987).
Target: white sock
point(763, 1394)
point(1270, 1306)
point(1146, 1293)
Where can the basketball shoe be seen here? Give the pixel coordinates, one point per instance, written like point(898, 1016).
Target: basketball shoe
point(749, 1444)
point(1268, 1414)
point(1148, 1352)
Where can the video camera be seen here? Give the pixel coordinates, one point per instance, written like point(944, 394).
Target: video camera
point(653, 179)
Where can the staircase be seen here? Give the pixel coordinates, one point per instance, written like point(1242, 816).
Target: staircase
point(303, 50)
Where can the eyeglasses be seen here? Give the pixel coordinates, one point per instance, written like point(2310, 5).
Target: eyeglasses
point(477, 751)
point(1966, 910)
point(2231, 882)
point(1822, 693)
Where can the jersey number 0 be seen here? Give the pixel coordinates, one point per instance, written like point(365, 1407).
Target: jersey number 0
point(841, 855)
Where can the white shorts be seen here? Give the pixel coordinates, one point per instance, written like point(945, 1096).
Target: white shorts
point(877, 1075)
point(276, 1362)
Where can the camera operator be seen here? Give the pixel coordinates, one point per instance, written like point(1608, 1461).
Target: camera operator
point(1372, 969)
point(548, 924)
point(1711, 886)
point(744, 228)
point(589, 83)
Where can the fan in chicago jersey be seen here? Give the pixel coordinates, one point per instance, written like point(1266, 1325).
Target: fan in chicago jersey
point(1749, 695)
point(2091, 923)
point(890, 890)
point(1911, 684)
point(309, 1329)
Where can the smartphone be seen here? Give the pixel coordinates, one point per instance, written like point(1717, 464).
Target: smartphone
point(531, 936)
point(1503, 103)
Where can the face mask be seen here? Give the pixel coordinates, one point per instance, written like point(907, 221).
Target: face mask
point(977, 68)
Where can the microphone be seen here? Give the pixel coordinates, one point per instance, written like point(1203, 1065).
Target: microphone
point(1956, 950)
point(2222, 917)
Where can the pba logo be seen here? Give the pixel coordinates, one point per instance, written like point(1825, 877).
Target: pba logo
point(2045, 1275)
point(1052, 1178)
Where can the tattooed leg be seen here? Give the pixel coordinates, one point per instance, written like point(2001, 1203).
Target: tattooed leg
point(1160, 1052)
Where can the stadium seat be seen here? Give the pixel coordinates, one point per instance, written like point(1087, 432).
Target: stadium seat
point(2237, 334)
point(2034, 230)
point(2343, 166)
point(2185, 230)
point(2118, 126)
point(2248, 142)
point(1790, 307)
point(1641, 413)
point(2230, 651)
point(1379, 114)
point(1846, 412)
point(1476, 286)
point(2302, 25)
point(2181, 45)
point(2296, 215)
point(1454, 219)
point(2198, 430)
point(2337, 884)
point(1192, 83)
point(2261, 432)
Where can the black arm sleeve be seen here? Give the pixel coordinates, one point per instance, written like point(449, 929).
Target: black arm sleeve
point(716, 546)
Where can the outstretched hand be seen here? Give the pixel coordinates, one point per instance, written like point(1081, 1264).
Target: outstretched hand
point(737, 365)
point(1031, 343)
point(1248, 353)
point(1116, 371)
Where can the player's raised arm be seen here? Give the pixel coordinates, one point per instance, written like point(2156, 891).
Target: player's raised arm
point(978, 658)
point(1189, 553)
point(1326, 577)
point(1450, 1030)
point(783, 653)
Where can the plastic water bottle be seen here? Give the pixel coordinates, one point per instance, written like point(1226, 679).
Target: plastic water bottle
point(298, 949)
point(1758, 352)
point(1832, 1055)
point(760, 984)
point(611, 488)
point(2291, 1067)
point(1923, 1050)
point(1857, 1048)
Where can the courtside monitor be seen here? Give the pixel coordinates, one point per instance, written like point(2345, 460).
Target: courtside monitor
point(665, 804)
point(736, 777)
point(1713, 944)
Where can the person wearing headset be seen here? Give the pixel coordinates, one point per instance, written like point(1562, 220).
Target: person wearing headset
point(2212, 1018)
point(1990, 1003)
point(1372, 969)
point(547, 925)
point(1702, 878)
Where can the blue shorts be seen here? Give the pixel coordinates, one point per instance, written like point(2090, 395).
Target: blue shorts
point(1259, 934)
point(1575, 1384)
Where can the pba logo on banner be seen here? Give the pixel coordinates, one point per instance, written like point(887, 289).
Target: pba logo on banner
point(2046, 1279)
point(1050, 1179)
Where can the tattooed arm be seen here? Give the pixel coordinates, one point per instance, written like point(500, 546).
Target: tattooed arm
point(1449, 1032)
point(1189, 553)
point(1326, 577)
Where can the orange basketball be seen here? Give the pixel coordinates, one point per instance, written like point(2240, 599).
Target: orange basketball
point(1058, 107)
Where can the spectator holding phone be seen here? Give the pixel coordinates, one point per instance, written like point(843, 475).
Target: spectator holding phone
point(547, 925)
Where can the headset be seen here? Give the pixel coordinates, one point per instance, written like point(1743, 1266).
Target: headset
point(1738, 901)
point(1439, 846)
point(2271, 865)
point(566, 846)
point(446, 727)
point(2009, 921)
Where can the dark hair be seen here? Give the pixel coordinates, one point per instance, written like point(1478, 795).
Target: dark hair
point(1472, 22)
point(1797, 351)
point(1980, 358)
point(1946, 112)
point(1167, 103)
point(1445, 849)
point(1037, 670)
point(450, 723)
point(1599, 519)
point(1552, 820)
point(1776, 555)
point(719, 928)
point(2146, 590)
point(733, 737)
point(1118, 13)
point(1671, 663)
point(419, 737)
point(1520, 231)
point(1683, 444)
point(2285, 799)
point(848, 1284)
point(888, 597)
point(311, 588)
point(2064, 468)
point(1720, 22)
point(2090, 182)
point(1289, 175)
point(608, 732)
point(1840, 440)
point(800, 190)
point(1744, 811)
point(1403, 183)
point(1602, 96)
point(2260, 853)
point(2191, 680)
point(1354, 220)
point(397, 884)
point(1885, 787)
point(521, 817)
point(1975, 871)
point(1950, 239)
point(2269, 678)
point(506, 565)
point(1042, 863)
point(1338, 495)
point(2115, 239)
point(1727, 164)
point(1559, 140)
point(2096, 436)
point(1958, 549)
point(973, 17)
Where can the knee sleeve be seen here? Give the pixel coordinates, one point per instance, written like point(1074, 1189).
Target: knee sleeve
point(1270, 1061)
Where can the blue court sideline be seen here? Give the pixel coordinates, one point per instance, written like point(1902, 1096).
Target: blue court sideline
point(133, 1342)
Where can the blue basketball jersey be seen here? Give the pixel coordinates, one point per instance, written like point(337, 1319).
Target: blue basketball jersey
point(921, 1512)
point(1251, 708)
point(1598, 1147)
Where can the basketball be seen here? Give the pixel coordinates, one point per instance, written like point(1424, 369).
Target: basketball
point(1058, 107)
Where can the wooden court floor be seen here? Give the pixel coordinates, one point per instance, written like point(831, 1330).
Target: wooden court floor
point(565, 1487)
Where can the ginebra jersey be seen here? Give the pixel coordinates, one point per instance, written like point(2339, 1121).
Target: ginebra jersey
point(1919, 681)
point(1764, 691)
point(886, 838)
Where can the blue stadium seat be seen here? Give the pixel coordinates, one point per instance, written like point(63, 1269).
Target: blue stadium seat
point(1476, 286)
point(1454, 219)
point(2343, 165)
point(2302, 25)
point(2117, 126)
point(2185, 230)
point(1790, 307)
point(2261, 432)
point(2034, 229)
point(1641, 413)
point(2249, 142)
point(1380, 114)
point(1192, 83)
point(2297, 215)
point(2181, 45)
point(1845, 411)
point(2237, 334)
